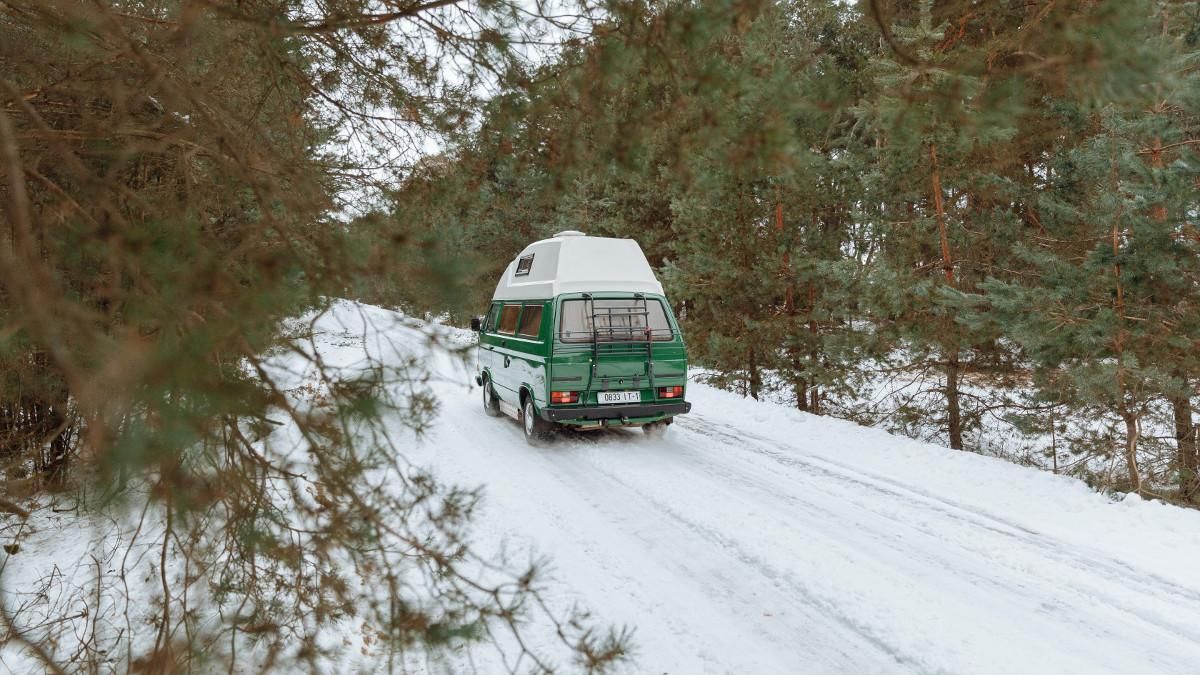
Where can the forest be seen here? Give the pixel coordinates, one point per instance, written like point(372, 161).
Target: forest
point(983, 215)
point(972, 222)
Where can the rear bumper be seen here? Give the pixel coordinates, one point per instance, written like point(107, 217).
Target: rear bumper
point(616, 412)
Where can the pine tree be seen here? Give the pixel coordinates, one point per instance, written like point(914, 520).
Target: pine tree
point(938, 125)
point(1113, 274)
point(827, 190)
point(174, 179)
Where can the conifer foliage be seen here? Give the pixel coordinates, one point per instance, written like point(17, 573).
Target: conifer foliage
point(940, 216)
point(174, 178)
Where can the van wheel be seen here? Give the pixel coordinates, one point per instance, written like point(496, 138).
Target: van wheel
point(491, 405)
point(537, 430)
point(655, 429)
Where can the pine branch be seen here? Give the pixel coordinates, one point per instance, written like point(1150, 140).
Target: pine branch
point(885, 29)
point(1151, 151)
point(331, 26)
point(7, 506)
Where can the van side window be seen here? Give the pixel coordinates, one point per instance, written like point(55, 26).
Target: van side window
point(492, 317)
point(531, 321)
point(508, 319)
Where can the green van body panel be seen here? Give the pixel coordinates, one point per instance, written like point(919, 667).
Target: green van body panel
point(526, 365)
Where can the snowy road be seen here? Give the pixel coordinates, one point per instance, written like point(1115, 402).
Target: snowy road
point(752, 539)
point(757, 539)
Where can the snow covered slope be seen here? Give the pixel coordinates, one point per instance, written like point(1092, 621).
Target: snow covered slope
point(758, 539)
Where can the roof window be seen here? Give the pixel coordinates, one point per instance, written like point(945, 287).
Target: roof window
point(523, 266)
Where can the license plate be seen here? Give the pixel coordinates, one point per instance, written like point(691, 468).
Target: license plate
point(620, 397)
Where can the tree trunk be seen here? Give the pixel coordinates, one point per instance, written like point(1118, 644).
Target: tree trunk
point(1131, 441)
point(789, 304)
point(1185, 441)
point(953, 412)
point(1181, 406)
point(814, 405)
point(1053, 441)
point(940, 211)
point(799, 383)
point(754, 380)
point(1131, 420)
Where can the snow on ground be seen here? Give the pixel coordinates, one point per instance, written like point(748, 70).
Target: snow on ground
point(755, 538)
point(905, 394)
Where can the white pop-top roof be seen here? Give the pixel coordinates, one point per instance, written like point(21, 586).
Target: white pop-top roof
point(571, 262)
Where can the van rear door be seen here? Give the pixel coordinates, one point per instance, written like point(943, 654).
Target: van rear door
point(631, 340)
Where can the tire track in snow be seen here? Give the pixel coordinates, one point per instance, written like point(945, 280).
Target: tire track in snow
point(784, 454)
point(637, 489)
point(1185, 628)
point(817, 610)
point(914, 659)
point(641, 546)
point(695, 538)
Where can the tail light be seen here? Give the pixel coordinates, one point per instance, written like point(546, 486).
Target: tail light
point(670, 392)
point(564, 397)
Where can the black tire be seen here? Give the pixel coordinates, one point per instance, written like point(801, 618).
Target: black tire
point(655, 429)
point(537, 430)
point(491, 404)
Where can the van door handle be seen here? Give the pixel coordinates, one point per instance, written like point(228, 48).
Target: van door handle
point(506, 360)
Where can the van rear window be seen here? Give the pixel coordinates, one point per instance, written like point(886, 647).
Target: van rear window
point(613, 320)
point(531, 321)
point(508, 319)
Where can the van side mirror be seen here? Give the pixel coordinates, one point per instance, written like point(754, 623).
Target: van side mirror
point(476, 324)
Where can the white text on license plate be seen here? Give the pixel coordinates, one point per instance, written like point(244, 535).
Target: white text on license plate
point(620, 396)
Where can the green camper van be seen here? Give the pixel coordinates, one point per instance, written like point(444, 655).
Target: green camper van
point(579, 334)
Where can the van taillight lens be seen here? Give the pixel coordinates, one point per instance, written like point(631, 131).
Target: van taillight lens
point(564, 397)
point(670, 392)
